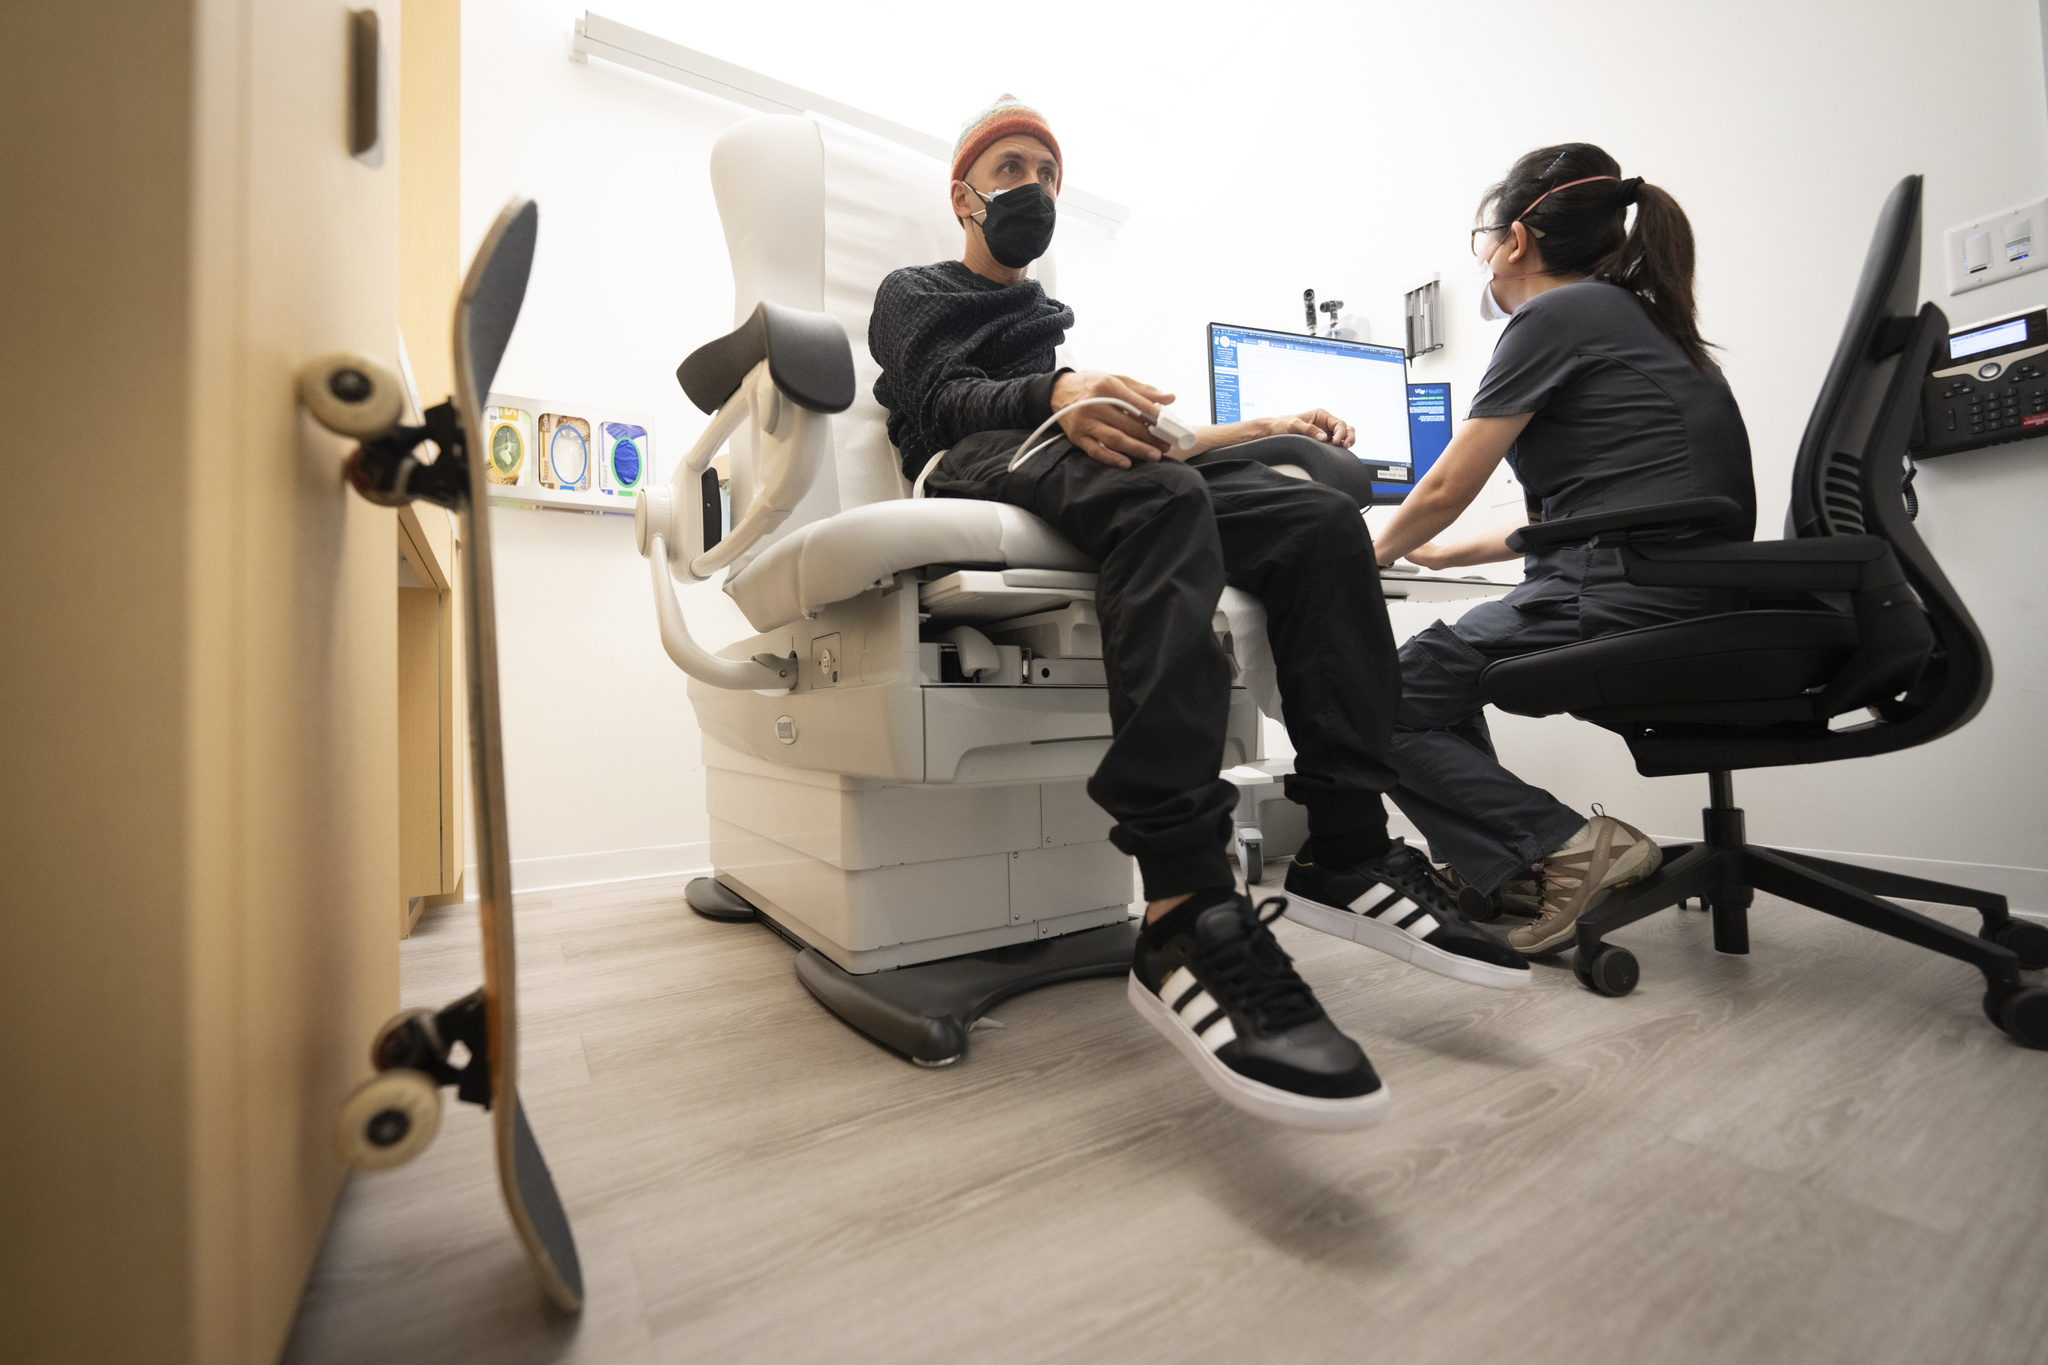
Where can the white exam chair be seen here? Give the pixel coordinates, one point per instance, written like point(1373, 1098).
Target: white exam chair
point(897, 762)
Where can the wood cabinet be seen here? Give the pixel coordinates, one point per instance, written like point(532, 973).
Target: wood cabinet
point(433, 725)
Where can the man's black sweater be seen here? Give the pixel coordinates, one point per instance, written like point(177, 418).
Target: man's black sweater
point(961, 354)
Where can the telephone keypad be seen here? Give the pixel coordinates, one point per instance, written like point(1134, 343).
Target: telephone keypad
point(1984, 408)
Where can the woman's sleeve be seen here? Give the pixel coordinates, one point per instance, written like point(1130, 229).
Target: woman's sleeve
point(1533, 361)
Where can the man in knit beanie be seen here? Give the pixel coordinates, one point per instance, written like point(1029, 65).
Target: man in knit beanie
point(969, 373)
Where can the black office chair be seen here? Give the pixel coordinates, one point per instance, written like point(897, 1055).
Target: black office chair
point(1848, 614)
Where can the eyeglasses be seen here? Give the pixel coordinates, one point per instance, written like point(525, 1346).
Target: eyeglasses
point(1497, 227)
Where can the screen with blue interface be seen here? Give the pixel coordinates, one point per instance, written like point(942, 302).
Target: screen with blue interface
point(1429, 431)
point(1256, 373)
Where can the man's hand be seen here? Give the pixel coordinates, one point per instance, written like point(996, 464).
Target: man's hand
point(1319, 425)
point(1103, 431)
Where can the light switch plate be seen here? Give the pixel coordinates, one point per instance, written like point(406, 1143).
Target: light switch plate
point(1997, 247)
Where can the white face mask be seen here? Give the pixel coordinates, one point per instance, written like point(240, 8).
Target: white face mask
point(1489, 307)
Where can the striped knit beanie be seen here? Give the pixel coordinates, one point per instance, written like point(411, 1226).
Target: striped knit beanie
point(1006, 116)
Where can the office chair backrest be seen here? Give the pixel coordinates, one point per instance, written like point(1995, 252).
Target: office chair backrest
point(1826, 486)
point(815, 216)
point(1848, 477)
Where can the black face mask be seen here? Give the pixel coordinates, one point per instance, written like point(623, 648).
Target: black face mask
point(1018, 224)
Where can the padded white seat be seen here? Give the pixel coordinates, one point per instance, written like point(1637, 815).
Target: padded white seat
point(865, 547)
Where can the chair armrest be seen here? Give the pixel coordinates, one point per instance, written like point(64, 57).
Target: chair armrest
point(1629, 525)
point(807, 353)
point(1820, 564)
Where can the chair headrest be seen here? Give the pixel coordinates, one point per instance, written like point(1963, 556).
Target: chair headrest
point(807, 354)
point(815, 216)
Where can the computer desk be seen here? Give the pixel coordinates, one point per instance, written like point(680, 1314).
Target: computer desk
point(1451, 586)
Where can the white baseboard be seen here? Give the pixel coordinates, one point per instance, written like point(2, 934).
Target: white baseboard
point(2024, 888)
point(607, 865)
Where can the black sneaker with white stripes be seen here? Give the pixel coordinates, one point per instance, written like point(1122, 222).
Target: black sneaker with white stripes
point(1396, 904)
point(1212, 978)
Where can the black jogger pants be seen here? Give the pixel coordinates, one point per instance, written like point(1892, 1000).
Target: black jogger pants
point(1167, 537)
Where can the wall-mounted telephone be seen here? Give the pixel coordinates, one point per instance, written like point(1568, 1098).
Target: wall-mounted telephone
point(1989, 385)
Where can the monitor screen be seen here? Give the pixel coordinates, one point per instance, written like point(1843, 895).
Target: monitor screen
point(1256, 373)
point(1429, 431)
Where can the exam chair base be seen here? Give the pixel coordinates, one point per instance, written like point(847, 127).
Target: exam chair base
point(1724, 872)
point(925, 1011)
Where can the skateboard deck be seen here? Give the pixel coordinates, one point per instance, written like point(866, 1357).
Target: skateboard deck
point(393, 1117)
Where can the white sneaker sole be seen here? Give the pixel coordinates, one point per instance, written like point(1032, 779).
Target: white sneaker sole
point(1256, 1097)
point(1397, 942)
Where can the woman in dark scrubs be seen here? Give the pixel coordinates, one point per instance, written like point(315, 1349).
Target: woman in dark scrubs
point(1600, 395)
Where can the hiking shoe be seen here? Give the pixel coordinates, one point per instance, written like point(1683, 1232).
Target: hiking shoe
point(1214, 980)
point(1515, 896)
point(1614, 854)
point(1395, 904)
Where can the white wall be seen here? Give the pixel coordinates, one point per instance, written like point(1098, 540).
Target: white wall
point(1340, 147)
point(601, 750)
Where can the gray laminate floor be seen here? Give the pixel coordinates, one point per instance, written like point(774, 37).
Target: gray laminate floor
point(1821, 1152)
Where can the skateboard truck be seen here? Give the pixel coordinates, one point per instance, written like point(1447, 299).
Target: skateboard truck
point(424, 1039)
point(355, 396)
point(393, 1117)
point(387, 469)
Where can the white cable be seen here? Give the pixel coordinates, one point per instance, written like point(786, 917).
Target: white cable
point(917, 489)
point(1024, 454)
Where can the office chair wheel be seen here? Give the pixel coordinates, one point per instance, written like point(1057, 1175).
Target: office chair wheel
point(1613, 970)
point(2027, 940)
point(2020, 1011)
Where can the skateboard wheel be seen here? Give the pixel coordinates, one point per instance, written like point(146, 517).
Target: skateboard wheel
point(390, 1119)
point(351, 395)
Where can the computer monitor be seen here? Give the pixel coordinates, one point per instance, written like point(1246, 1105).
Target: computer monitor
point(1257, 373)
point(1429, 431)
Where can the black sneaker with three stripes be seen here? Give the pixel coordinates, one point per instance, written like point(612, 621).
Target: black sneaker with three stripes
point(1212, 978)
point(1396, 904)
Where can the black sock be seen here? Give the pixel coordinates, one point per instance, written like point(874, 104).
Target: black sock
point(1181, 919)
point(1342, 852)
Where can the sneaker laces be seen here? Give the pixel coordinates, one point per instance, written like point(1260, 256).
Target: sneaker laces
point(1254, 973)
point(1414, 876)
point(1565, 873)
point(1559, 886)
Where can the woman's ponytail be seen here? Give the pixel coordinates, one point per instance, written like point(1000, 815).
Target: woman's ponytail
point(1584, 230)
point(1655, 263)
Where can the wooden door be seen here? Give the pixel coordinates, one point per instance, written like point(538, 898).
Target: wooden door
point(200, 751)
